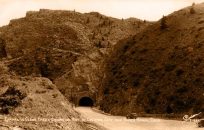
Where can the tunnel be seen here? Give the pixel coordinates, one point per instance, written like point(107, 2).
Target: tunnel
point(86, 101)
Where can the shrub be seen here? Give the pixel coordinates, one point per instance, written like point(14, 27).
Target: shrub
point(40, 91)
point(54, 95)
point(163, 24)
point(2, 48)
point(182, 90)
point(98, 44)
point(179, 72)
point(87, 20)
point(192, 10)
point(169, 67)
point(10, 100)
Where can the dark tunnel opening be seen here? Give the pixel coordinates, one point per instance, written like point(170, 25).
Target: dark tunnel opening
point(86, 101)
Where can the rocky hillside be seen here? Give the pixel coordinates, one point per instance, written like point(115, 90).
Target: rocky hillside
point(34, 103)
point(60, 32)
point(159, 70)
point(63, 45)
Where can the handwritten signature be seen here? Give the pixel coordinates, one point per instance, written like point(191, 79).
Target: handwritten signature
point(190, 118)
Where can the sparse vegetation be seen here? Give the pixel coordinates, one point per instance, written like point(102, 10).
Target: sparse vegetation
point(163, 68)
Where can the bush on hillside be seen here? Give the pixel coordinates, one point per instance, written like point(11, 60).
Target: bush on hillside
point(163, 24)
point(192, 9)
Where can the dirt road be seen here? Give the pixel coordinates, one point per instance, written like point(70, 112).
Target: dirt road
point(121, 123)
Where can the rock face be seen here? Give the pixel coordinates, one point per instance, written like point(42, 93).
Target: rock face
point(159, 70)
point(86, 71)
point(65, 46)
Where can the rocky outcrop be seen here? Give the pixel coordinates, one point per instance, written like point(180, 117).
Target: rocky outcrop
point(86, 71)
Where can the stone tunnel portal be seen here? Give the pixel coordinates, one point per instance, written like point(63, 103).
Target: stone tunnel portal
point(86, 101)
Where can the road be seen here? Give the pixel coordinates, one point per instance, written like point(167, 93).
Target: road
point(121, 123)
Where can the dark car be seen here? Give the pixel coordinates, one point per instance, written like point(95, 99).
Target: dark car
point(201, 123)
point(131, 116)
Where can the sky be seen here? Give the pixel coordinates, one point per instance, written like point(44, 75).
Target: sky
point(151, 10)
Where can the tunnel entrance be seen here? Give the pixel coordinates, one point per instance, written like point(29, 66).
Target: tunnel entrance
point(86, 101)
